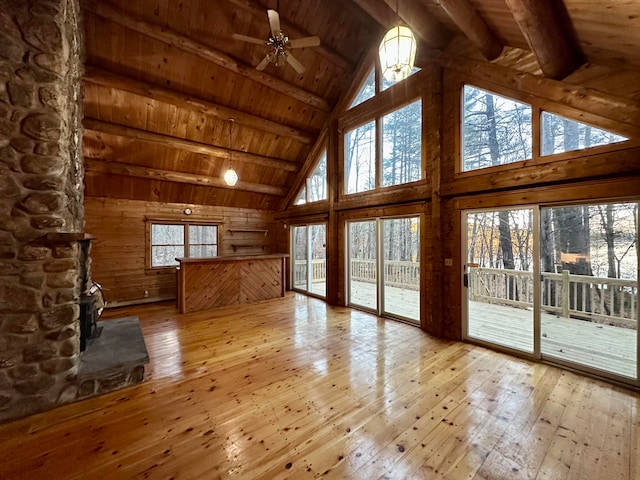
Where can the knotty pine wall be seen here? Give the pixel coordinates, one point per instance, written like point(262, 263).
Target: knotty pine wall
point(119, 249)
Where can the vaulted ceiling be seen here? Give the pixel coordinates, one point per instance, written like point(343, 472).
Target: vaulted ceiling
point(163, 78)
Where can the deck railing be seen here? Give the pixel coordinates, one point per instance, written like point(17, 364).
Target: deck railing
point(610, 300)
point(397, 274)
point(318, 271)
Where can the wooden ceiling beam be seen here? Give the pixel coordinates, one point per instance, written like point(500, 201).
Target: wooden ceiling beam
point(548, 31)
point(473, 26)
point(188, 145)
point(107, 11)
point(103, 78)
point(415, 15)
point(128, 170)
point(258, 10)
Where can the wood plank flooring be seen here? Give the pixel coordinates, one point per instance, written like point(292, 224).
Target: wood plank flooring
point(292, 388)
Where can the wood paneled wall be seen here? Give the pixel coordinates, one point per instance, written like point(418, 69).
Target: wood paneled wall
point(118, 252)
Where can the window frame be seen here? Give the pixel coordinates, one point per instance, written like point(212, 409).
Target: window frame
point(538, 105)
point(511, 96)
point(377, 120)
point(149, 267)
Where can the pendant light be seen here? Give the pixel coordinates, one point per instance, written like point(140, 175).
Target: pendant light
point(230, 176)
point(397, 53)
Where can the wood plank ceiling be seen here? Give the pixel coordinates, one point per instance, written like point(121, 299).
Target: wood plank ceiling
point(163, 78)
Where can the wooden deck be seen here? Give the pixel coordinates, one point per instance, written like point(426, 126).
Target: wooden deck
point(597, 346)
point(603, 347)
point(293, 388)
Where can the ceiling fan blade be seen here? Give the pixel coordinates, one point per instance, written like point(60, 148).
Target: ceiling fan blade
point(297, 66)
point(263, 64)
point(274, 22)
point(245, 38)
point(304, 42)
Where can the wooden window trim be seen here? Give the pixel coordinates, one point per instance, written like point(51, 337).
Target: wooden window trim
point(149, 269)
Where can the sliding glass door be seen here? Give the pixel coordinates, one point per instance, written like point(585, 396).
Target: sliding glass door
point(499, 278)
point(362, 264)
point(589, 294)
point(309, 254)
point(560, 283)
point(401, 266)
point(384, 266)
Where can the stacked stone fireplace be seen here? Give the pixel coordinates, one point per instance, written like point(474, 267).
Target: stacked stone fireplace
point(41, 208)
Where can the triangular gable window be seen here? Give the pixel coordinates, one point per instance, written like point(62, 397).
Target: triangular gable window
point(367, 91)
point(315, 188)
point(301, 199)
point(560, 134)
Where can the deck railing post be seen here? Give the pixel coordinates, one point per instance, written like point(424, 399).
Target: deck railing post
point(565, 293)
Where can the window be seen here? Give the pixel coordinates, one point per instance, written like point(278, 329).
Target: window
point(360, 157)
point(401, 145)
point(560, 134)
point(495, 130)
point(315, 188)
point(367, 91)
point(170, 241)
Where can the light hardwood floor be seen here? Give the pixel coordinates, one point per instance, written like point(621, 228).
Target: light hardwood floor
point(291, 388)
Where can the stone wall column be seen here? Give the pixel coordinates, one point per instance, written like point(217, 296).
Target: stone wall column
point(41, 194)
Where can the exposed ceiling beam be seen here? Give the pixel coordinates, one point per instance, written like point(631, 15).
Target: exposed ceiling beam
point(472, 25)
point(103, 78)
point(432, 32)
point(547, 28)
point(255, 8)
point(116, 168)
point(107, 11)
point(188, 145)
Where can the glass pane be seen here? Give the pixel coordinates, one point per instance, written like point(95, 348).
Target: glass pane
point(495, 130)
point(367, 91)
point(203, 234)
point(589, 265)
point(500, 277)
point(360, 158)
point(317, 182)
point(203, 251)
point(362, 264)
point(402, 267)
point(386, 83)
point(301, 199)
point(560, 134)
point(300, 252)
point(318, 239)
point(166, 255)
point(401, 145)
point(167, 234)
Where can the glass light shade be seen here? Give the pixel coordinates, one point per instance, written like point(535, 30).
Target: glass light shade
point(397, 53)
point(231, 177)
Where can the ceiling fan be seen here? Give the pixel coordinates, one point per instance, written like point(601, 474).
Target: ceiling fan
point(280, 45)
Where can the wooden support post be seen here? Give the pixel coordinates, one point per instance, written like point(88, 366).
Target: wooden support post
point(335, 275)
point(565, 293)
point(432, 311)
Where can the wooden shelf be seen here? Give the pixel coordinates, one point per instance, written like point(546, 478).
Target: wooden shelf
point(248, 230)
point(235, 246)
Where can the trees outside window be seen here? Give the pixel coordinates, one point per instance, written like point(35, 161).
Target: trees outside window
point(402, 145)
point(315, 188)
point(560, 134)
point(170, 241)
point(360, 159)
point(495, 130)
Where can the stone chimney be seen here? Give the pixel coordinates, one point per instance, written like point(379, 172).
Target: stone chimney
point(41, 203)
